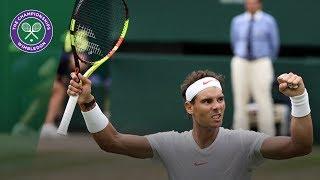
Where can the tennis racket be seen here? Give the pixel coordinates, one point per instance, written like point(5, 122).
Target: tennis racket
point(97, 29)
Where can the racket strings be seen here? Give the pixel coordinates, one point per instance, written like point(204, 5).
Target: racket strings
point(98, 27)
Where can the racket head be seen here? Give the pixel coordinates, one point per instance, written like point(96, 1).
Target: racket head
point(97, 29)
point(36, 27)
point(26, 27)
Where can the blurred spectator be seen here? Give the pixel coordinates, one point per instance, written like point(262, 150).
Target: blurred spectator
point(56, 106)
point(58, 95)
point(255, 43)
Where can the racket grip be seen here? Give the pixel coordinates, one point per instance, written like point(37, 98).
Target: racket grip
point(67, 115)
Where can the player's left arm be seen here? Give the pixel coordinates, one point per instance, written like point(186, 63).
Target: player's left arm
point(301, 139)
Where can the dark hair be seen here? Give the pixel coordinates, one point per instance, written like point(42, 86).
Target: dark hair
point(196, 75)
point(259, 1)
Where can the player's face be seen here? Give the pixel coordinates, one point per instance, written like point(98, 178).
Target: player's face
point(252, 5)
point(209, 106)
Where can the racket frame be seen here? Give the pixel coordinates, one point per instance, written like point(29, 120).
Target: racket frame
point(66, 118)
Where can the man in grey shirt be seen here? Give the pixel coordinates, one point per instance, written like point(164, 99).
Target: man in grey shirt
point(208, 151)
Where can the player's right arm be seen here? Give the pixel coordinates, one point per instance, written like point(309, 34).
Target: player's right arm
point(109, 139)
point(301, 139)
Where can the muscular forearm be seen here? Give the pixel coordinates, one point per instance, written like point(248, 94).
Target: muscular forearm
point(301, 139)
point(98, 125)
point(301, 122)
point(112, 141)
point(109, 139)
point(300, 142)
point(105, 136)
point(106, 139)
point(94, 118)
point(302, 131)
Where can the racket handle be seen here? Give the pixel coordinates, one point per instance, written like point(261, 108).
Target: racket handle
point(67, 115)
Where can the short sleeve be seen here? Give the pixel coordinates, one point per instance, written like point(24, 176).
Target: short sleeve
point(252, 142)
point(161, 144)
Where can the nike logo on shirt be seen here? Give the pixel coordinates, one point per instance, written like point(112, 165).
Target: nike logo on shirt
point(200, 163)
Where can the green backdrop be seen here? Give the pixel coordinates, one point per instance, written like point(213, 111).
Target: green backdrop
point(145, 92)
point(209, 20)
point(153, 21)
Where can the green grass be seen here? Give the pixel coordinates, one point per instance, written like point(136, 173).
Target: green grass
point(306, 167)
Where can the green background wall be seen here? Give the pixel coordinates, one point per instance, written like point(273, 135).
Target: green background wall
point(26, 81)
point(209, 20)
point(22, 81)
point(145, 93)
point(151, 21)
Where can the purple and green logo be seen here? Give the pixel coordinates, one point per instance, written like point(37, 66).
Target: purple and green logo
point(31, 31)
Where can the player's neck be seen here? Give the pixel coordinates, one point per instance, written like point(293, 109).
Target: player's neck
point(204, 137)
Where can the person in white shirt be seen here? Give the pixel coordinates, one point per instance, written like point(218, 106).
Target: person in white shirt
point(208, 151)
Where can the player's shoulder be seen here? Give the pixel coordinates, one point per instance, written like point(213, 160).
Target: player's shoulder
point(268, 17)
point(239, 18)
point(230, 138)
point(226, 131)
point(183, 134)
point(171, 134)
point(231, 133)
point(242, 135)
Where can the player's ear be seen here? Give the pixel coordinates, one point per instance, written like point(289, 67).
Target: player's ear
point(189, 107)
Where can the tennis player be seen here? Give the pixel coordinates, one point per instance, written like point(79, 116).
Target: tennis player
point(208, 151)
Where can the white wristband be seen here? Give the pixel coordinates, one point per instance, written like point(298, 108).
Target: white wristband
point(300, 105)
point(95, 120)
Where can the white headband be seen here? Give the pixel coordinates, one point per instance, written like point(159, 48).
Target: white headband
point(200, 85)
